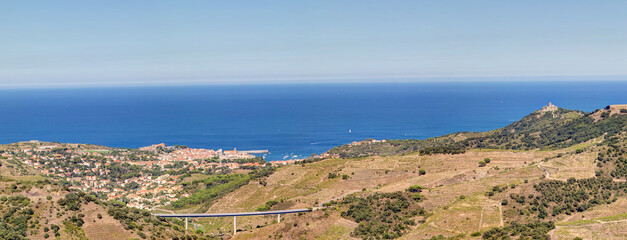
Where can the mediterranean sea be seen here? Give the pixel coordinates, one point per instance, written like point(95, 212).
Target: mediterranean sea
point(291, 120)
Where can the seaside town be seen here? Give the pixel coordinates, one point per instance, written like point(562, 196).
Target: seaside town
point(144, 178)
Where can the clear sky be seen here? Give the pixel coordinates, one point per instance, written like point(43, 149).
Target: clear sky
point(60, 43)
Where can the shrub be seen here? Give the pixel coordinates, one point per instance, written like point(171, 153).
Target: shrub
point(415, 189)
point(481, 163)
point(72, 202)
point(442, 149)
point(605, 114)
point(382, 215)
point(534, 230)
point(422, 172)
point(417, 196)
point(54, 228)
point(213, 187)
point(574, 195)
point(268, 205)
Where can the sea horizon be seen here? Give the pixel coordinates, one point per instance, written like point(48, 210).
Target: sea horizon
point(292, 121)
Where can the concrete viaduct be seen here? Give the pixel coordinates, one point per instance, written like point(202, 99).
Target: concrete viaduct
point(234, 215)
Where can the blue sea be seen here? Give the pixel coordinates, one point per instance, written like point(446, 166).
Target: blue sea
point(291, 121)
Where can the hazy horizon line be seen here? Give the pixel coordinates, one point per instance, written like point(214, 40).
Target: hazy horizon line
point(321, 80)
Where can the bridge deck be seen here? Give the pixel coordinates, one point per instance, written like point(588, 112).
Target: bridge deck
point(233, 214)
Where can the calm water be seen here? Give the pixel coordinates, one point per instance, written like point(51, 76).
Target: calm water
point(289, 120)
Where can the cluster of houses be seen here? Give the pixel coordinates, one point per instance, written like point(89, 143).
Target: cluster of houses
point(191, 156)
point(199, 153)
point(90, 170)
point(183, 154)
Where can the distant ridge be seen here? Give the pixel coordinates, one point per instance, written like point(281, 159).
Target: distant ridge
point(538, 130)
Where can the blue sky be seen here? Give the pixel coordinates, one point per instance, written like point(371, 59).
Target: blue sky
point(85, 43)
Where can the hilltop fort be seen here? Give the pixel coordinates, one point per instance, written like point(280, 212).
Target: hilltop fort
point(549, 108)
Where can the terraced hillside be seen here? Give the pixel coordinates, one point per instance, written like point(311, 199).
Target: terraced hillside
point(560, 189)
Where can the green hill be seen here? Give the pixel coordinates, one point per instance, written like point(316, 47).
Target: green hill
point(538, 130)
point(551, 130)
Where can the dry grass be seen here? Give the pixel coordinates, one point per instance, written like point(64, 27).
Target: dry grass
point(471, 214)
point(612, 230)
point(600, 211)
point(105, 228)
point(572, 165)
point(314, 225)
point(448, 176)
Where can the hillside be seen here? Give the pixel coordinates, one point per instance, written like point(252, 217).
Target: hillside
point(572, 187)
point(43, 209)
point(541, 130)
point(459, 196)
point(68, 186)
point(551, 130)
point(555, 174)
